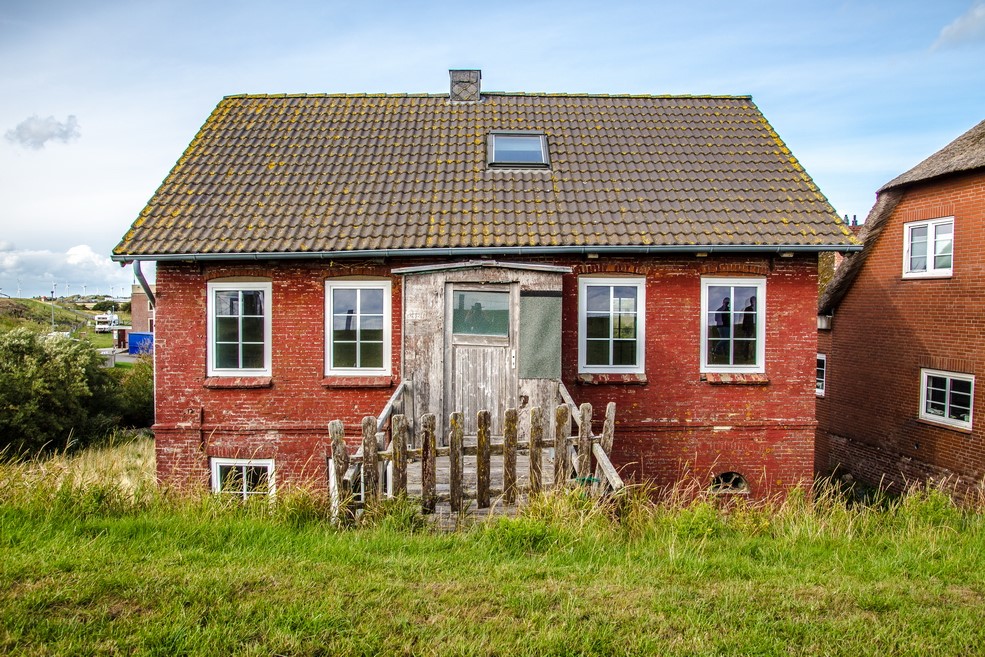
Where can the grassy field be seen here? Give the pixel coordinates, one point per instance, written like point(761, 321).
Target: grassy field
point(96, 561)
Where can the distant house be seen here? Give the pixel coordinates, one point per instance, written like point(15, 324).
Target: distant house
point(314, 251)
point(141, 310)
point(898, 364)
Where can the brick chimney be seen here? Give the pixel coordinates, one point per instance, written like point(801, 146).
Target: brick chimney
point(464, 86)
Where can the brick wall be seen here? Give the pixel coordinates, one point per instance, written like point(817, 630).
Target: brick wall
point(887, 328)
point(674, 426)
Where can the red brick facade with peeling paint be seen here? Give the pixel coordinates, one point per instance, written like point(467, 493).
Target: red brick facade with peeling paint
point(673, 427)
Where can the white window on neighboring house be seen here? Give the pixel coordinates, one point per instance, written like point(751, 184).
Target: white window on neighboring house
point(733, 325)
point(357, 314)
point(946, 398)
point(242, 478)
point(822, 366)
point(928, 248)
point(611, 325)
point(239, 328)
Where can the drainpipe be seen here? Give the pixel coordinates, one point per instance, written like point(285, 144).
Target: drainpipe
point(143, 284)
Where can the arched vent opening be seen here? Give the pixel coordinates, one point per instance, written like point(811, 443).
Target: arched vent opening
point(729, 482)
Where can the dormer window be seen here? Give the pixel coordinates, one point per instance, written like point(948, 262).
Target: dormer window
point(517, 150)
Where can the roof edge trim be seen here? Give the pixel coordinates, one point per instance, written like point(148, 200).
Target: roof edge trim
point(480, 251)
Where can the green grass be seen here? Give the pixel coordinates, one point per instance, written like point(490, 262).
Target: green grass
point(95, 560)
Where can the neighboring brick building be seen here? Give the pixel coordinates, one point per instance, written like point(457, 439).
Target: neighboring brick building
point(907, 330)
point(314, 251)
point(141, 310)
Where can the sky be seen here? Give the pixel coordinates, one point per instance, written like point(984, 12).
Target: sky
point(100, 98)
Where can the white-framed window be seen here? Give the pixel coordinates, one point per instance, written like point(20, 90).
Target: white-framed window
point(928, 248)
point(611, 325)
point(357, 334)
point(821, 372)
point(947, 397)
point(517, 150)
point(242, 478)
point(239, 334)
point(733, 325)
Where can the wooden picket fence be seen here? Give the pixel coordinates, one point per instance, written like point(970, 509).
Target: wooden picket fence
point(381, 464)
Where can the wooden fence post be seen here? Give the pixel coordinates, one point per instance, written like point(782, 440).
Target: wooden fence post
point(585, 444)
point(429, 487)
point(562, 429)
point(398, 444)
point(371, 466)
point(509, 456)
point(482, 465)
point(536, 448)
point(340, 464)
point(605, 442)
point(456, 441)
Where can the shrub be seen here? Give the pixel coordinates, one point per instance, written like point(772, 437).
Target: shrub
point(136, 393)
point(52, 389)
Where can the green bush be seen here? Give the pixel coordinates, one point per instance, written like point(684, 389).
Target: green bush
point(135, 397)
point(52, 390)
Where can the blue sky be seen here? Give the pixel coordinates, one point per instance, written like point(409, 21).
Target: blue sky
point(100, 98)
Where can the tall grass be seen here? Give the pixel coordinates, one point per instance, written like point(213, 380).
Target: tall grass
point(97, 560)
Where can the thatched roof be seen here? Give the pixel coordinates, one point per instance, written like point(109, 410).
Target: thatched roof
point(966, 153)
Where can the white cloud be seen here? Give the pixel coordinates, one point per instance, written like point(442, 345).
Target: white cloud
point(968, 28)
point(77, 270)
point(34, 132)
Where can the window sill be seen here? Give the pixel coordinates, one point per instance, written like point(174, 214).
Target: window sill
point(224, 382)
point(907, 276)
point(735, 379)
point(943, 425)
point(603, 378)
point(381, 381)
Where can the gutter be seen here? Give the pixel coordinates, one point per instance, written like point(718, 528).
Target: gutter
point(488, 251)
point(143, 284)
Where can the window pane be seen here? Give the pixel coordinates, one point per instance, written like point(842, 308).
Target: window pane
point(744, 351)
point(252, 302)
point(227, 329)
point(625, 326)
point(256, 477)
point(918, 248)
point(253, 329)
point(227, 303)
point(343, 302)
point(344, 328)
point(230, 478)
point(597, 326)
point(371, 354)
point(518, 148)
point(942, 246)
point(597, 299)
point(624, 352)
point(371, 302)
point(253, 356)
point(624, 298)
point(719, 352)
point(344, 354)
point(597, 352)
point(227, 356)
point(481, 313)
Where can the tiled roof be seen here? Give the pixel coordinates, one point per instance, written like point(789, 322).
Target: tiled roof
point(352, 173)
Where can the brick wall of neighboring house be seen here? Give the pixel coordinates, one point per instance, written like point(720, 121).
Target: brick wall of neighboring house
point(887, 328)
point(674, 426)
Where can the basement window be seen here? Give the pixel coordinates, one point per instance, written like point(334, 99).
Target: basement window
point(517, 150)
point(243, 478)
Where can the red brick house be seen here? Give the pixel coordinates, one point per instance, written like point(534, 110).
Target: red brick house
point(906, 331)
point(313, 251)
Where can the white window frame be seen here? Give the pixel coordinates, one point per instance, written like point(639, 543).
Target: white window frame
point(945, 420)
point(216, 463)
point(611, 281)
point(821, 375)
point(760, 366)
point(242, 286)
point(931, 270)
point(364, 284)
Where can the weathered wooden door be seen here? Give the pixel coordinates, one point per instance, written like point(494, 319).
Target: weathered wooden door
point(480, 356)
